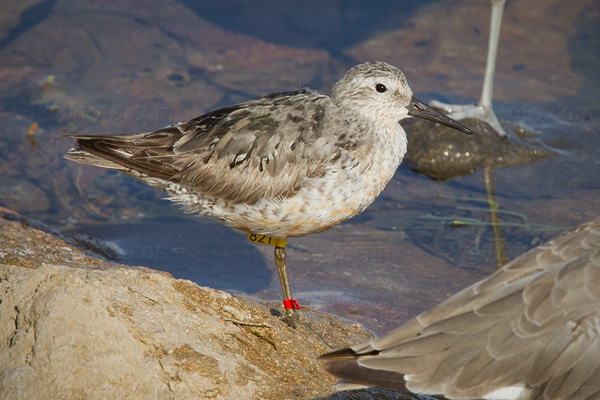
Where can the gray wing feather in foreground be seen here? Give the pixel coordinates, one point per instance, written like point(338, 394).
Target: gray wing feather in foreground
point(534, 323)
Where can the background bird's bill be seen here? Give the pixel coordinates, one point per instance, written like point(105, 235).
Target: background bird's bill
point(419, 109)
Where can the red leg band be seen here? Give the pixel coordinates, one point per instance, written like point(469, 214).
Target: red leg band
point(291, 304)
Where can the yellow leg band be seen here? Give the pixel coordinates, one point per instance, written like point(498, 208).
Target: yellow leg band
point(264, 239)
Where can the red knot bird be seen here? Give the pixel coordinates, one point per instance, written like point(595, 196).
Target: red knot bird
point(285, 165)
point(529, 331)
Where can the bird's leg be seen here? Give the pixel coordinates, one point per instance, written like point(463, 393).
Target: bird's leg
point(289, 303)
point(482, 111)
point(490, 66)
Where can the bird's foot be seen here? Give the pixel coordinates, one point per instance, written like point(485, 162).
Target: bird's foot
point(291, 314)
point(292, 318)
point(464, 111)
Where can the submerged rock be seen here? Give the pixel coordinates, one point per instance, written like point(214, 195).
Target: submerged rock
point(442, 153)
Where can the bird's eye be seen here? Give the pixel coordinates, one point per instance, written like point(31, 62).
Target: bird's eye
point(380, 87)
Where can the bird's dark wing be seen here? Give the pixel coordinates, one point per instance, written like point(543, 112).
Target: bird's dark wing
point(535, 322)
point(259, 149)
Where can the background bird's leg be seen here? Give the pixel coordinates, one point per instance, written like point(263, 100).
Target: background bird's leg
point(490, 66)
point(483, 110)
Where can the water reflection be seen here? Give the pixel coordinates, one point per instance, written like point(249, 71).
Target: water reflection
point(332, 26)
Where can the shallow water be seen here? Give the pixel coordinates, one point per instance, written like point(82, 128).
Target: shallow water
point(125, 67)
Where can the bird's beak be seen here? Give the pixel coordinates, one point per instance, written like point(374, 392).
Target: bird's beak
point(421, 110)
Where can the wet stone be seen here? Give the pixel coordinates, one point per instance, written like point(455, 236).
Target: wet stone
point(441, 153)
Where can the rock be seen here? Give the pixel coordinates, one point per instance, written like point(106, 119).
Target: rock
point(25, 242)
point(446, 154)
point(77, 327)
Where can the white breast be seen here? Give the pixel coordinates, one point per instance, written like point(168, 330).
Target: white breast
point(333, 198)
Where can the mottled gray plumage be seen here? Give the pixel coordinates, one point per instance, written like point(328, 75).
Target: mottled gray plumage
point(535, 322)
point(224, 153)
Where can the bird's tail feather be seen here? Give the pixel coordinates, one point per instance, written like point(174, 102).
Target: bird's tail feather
point(345, 365)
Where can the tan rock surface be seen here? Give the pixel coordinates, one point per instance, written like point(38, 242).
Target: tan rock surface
point(77, 327)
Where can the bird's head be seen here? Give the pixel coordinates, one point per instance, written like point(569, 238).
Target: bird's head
point(379, 92)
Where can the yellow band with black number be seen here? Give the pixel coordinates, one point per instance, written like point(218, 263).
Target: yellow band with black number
point(264, 239)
